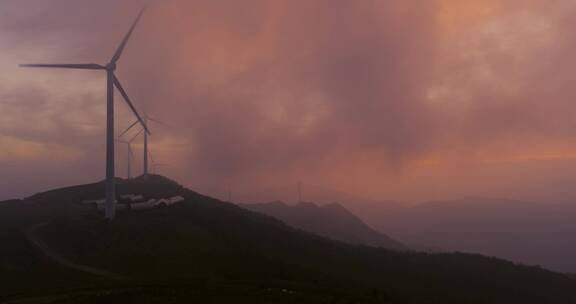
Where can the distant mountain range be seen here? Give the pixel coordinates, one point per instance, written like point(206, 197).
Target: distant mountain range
point(532, 233)
point(54, 249)
point(332, 221)
point(526, 232)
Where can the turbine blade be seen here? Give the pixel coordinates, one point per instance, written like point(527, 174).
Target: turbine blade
point(127, 99)
point(120, 49)
point(129, 128)
point(159, 122)
point(135, 136)
point(89, 66)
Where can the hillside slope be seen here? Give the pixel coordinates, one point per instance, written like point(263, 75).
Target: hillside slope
point(332, 221)
point(206, 250)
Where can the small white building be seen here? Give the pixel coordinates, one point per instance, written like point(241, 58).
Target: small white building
point(137, 202)
point(132, 197)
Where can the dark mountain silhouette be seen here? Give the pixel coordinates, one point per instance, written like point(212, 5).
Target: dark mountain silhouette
point(332, 221)
point(532, 233)
point(206, 251)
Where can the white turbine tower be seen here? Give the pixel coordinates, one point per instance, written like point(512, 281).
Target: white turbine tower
point(111, 83)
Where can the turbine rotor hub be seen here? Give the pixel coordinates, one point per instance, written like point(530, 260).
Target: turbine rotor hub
point(111, 67)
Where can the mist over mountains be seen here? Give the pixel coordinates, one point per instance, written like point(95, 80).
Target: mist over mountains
point(525, 232)
point(332, 221)
point(533, 233)
point(406, 101)
point(57, 249)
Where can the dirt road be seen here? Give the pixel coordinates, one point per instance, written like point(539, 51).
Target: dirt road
point(42, 247)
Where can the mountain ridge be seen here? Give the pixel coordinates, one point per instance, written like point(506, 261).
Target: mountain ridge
point(204, 249)
point(331, 220)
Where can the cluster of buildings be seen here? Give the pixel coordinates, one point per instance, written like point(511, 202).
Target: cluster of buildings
point(136, 202)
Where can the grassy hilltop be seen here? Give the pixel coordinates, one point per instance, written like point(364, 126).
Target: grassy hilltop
point(206, 250)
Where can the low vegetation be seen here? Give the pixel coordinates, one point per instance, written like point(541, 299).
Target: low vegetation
point(206, 250)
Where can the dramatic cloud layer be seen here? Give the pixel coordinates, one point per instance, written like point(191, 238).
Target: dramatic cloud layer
point(380, 98)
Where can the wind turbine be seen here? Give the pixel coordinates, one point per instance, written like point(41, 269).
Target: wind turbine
point(112, 81)
point(128, 144)
point(155, 165)
point(230, 193)
point(146, 153)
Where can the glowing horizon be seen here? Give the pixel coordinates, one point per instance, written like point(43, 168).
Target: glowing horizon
point(396, 100)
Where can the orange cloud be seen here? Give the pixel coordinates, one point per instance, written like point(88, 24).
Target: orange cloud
point(16, 150)
point(455, 16)
point(352, 94)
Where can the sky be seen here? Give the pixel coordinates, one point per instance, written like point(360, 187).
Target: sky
point(390, 100)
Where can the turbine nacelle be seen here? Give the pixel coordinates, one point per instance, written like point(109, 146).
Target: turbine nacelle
point(111, 67)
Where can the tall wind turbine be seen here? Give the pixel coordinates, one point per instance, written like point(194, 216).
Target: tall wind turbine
point(130, 154)
point(111, 83)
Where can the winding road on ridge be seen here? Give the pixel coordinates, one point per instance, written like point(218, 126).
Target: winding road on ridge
point(42, 247)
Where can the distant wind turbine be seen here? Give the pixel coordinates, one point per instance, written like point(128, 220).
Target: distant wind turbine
point(230, 193)
point(155, 165)
point(128, 144)
point(146, 152)
point(111, 83)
